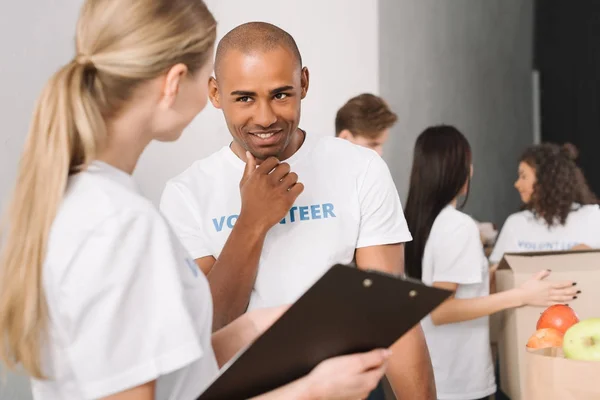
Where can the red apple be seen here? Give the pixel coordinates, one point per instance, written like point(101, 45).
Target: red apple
point(545, 337)
point(560, 317)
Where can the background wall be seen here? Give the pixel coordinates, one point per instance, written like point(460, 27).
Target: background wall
point(466, 63)
point(341, 53)
point(568, 61)
point(36, 37)
point(461, 62)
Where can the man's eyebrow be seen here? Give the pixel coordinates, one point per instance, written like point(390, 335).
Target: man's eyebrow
point(272, 92)
point(281, 89)
point(242, 93)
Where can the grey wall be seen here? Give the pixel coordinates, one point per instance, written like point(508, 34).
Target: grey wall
point(465, 63)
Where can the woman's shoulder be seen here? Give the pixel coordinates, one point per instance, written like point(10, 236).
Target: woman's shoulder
point(588, 210)
point(588, 214)
point(94, 204)
point(519, 218)
point(452, 221)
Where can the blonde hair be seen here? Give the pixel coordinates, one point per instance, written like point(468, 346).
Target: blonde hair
point(120, 44)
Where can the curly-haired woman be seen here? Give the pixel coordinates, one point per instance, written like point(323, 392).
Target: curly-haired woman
point(560, 211)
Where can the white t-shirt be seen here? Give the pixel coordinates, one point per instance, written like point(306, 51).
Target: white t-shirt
point(349, 201)
point(460, 352)
point(127, 305)
point(524, 232)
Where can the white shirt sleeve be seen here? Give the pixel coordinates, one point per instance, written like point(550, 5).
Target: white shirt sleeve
point(179, 210)
point(595, 225)
point(122, 302)
point(458, 255)
point(503, 243)
point(382, 218)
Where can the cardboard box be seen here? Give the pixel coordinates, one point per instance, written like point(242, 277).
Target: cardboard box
point(517, 325)
point(550, 376)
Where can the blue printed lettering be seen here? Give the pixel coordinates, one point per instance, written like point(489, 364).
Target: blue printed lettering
point(219, 224)
point(315, 211)
point(304, 213)
point(297, 213)
point(292, 216)
point(328, 210)
point(544, 246)
point(526, 245)
point(231, 221)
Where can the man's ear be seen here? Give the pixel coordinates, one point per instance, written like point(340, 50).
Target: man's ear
point(304, 80)
point(346, 134)
point(213, 92)
point(172, 84)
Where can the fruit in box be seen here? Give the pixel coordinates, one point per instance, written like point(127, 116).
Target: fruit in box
point(560, 317)
point(582, 341)
point(545, 337)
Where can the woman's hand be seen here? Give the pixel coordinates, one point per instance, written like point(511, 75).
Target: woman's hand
point(539, 292)
point(348, 377)
point(580, 246)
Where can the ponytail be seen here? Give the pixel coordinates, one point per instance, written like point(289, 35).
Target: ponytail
point(120, 44)
point(66, 126)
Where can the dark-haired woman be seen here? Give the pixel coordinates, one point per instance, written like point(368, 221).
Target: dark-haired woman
point(446, 252)
point(560, 211)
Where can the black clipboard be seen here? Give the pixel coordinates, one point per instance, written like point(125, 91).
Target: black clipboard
point(346, 311)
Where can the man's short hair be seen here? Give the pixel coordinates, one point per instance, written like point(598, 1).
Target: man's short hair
point(365, 115)
point(255, 37)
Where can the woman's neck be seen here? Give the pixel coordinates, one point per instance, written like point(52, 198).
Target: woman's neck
point(126, 140)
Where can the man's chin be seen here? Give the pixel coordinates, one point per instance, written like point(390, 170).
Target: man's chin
point(263, 155)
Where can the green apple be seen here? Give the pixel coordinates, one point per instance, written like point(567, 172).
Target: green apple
point(582, 340)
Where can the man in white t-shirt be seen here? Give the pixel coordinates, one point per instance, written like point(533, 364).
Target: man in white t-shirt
point(260, 235)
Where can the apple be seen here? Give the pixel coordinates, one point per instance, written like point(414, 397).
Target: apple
point(545, 337)
point(582, 341)
point(560, 317)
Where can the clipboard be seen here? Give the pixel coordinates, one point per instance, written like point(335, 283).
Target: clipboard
point(346, 311)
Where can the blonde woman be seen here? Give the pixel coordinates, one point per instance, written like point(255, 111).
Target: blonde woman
point(97, 297)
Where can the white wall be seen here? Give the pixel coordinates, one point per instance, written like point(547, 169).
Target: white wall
point(341, 53)
point(36, 37)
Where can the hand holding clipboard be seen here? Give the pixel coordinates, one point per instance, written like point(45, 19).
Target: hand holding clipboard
point(347, 311)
